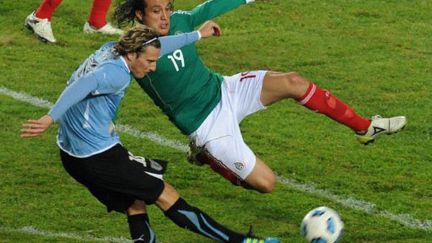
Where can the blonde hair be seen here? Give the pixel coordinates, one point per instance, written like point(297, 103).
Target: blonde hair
point(136, 40)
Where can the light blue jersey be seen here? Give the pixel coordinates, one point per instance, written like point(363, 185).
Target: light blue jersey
point(86, 108)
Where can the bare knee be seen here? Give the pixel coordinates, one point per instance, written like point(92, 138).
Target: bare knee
point(278, 86)
point(168, 197)
point(266, 185)
point(261, 178)
point(138, 207)
point(295, 84)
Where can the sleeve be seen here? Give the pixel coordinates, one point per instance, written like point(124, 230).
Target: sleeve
point(103, 80)
point(110, 78)
point(73, 94)
point(212, 9)
point(174, 42)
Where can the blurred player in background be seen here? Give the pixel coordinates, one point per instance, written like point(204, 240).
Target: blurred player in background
point(209, 107)
point(40, 20)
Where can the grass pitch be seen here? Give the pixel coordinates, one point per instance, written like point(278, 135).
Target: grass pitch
point(375, 55)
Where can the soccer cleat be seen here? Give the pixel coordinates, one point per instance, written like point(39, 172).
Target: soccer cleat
point(250, 238)
point(107, 29)
point(41, 28)
point(258, 240)
point(380, 126)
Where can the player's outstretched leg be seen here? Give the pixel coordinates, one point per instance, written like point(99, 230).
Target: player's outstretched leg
point(278, 86)
point(195, 220)
point(192, 218)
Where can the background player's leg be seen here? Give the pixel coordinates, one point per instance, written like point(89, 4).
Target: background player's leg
point(98, 13)
point(47, 8)
point(40, 21)
point(97, 20)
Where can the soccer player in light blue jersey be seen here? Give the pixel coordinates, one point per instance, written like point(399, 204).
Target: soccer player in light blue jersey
point(91, 150)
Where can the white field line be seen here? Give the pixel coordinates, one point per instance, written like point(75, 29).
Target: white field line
point(30, 230)
point(367, 207)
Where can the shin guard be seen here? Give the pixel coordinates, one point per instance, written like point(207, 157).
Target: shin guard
point(322, 101)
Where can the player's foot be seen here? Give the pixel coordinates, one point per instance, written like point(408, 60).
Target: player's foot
point(258, 240)
point(380, 126)
point(250, 238)
point(41, 28)
point(107, 29)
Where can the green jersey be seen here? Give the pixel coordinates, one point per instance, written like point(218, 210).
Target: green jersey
point(182, 86)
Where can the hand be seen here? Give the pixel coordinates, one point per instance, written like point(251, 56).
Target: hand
point(33, 128)
point(210, 28)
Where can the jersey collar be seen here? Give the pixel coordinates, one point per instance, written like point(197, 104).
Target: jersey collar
point(124, 62)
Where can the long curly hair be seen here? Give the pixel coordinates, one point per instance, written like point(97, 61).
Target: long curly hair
point(124, 13)
point(137, 39)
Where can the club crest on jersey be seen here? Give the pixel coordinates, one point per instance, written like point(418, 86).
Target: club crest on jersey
point(155, 165)
point(239, 165)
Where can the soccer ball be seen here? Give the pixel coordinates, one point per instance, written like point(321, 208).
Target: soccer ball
point(322, 225)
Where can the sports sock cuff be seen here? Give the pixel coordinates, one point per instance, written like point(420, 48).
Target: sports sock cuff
point(179, 204)
point(308, 95)
point(138, 217)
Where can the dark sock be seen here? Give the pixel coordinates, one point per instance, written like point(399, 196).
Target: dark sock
point(140, 230)
point(193, 219)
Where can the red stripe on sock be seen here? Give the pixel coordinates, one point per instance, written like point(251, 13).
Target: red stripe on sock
point(322, 101)
point(98, 13)
point(47, 8)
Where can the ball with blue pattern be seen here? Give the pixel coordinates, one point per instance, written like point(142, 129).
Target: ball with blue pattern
point(322, 225)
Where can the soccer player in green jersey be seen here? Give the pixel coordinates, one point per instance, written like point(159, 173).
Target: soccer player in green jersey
point(208, 107)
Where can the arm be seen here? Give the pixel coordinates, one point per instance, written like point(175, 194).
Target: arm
point(173, 42)
point(213, 8)
point(71, 95)
point(104, 80)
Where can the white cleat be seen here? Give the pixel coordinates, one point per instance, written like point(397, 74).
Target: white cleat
point(41, 28)
point(380, 126)
point(107, 29)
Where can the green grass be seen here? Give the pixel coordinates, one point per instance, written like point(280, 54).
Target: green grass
point(375, 55)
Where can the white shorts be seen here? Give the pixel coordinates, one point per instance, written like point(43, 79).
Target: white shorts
point(220, 132)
